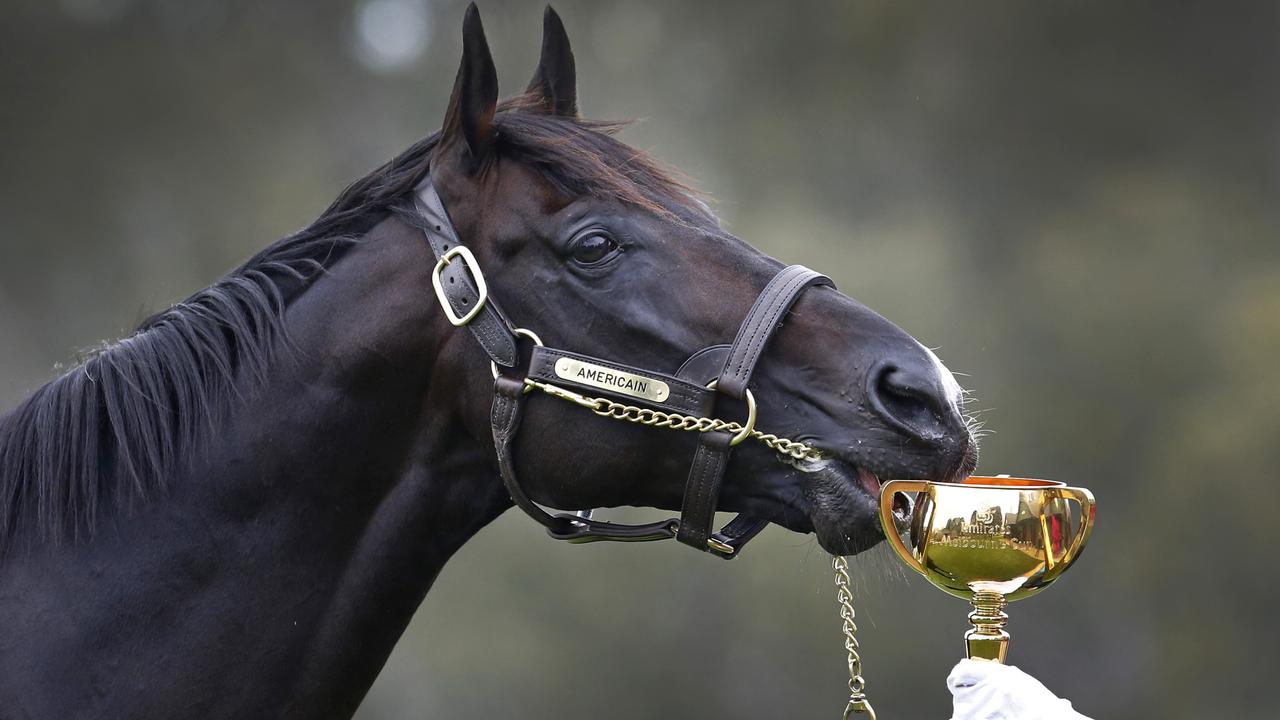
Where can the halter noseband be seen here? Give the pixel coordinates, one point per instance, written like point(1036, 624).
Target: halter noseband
point(681, 401)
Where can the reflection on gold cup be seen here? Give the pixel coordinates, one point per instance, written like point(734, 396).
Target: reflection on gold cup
point(989, 540)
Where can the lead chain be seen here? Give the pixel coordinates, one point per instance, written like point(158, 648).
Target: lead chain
point(605, 407)
point(675, 420)
point(858, 703)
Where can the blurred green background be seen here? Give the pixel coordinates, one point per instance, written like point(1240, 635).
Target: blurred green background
point(1077, 204)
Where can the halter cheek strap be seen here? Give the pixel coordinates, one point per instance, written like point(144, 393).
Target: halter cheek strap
point(460, 285)
point(508, 400)
point(681, 402)
point(712, 457)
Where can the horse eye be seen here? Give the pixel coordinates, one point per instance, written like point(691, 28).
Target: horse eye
point(593, 249)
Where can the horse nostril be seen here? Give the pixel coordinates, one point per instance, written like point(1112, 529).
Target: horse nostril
point(911, 400)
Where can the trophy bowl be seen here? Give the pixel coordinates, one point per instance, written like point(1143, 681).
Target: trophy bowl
point(989, 540)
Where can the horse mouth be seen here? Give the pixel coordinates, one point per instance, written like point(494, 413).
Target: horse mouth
point(902, 504)
point(843, 497)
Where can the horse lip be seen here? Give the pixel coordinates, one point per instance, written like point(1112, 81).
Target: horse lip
point(903, 504)
point(869, 480)
point(866, 479)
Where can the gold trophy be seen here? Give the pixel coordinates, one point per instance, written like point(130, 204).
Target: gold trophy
point(989, 540)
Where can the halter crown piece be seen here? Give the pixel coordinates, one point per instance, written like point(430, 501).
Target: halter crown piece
point(683, 401)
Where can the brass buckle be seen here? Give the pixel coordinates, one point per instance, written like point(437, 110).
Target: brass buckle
point(750, 425)
point(528, 386)
point(482, 290)
point(721, 547)
point(714, 544)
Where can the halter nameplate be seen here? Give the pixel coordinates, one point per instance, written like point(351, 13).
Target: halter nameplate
point(617, 381)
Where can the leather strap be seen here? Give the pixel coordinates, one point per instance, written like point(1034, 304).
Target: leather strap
point(585, 530)
point(705, 365)
point(761, 322)
point(702, 489)
point(504, 417)
point(738, 532)
point(490, 326)
point(682, 396)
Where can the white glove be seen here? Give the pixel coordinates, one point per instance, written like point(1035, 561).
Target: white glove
point(985, 690)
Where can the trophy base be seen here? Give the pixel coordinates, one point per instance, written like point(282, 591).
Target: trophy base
point(988, 639)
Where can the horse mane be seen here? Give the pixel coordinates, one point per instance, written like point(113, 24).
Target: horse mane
point(107, 434)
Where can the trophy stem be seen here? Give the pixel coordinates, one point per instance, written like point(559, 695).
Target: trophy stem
point(988, 639)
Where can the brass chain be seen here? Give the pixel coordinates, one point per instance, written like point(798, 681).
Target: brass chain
point(858, 702)
point(605, 407)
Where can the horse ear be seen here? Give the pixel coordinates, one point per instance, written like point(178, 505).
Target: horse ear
point(475, 94)
point(555, 80)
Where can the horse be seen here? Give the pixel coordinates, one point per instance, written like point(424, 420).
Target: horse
point(234, 511)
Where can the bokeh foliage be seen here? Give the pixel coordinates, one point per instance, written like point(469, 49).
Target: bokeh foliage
point(1076, 203)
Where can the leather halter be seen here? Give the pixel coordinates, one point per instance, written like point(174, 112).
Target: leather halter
point(726, 369)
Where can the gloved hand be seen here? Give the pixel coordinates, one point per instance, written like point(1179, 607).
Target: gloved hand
point(985, 690)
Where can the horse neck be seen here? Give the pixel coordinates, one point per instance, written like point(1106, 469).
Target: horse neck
point(287, 563)
point(391, 443)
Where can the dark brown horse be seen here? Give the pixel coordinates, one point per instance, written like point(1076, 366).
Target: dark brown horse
point(234, 512)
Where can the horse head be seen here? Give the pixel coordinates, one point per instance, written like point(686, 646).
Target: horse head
point(592, 246)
